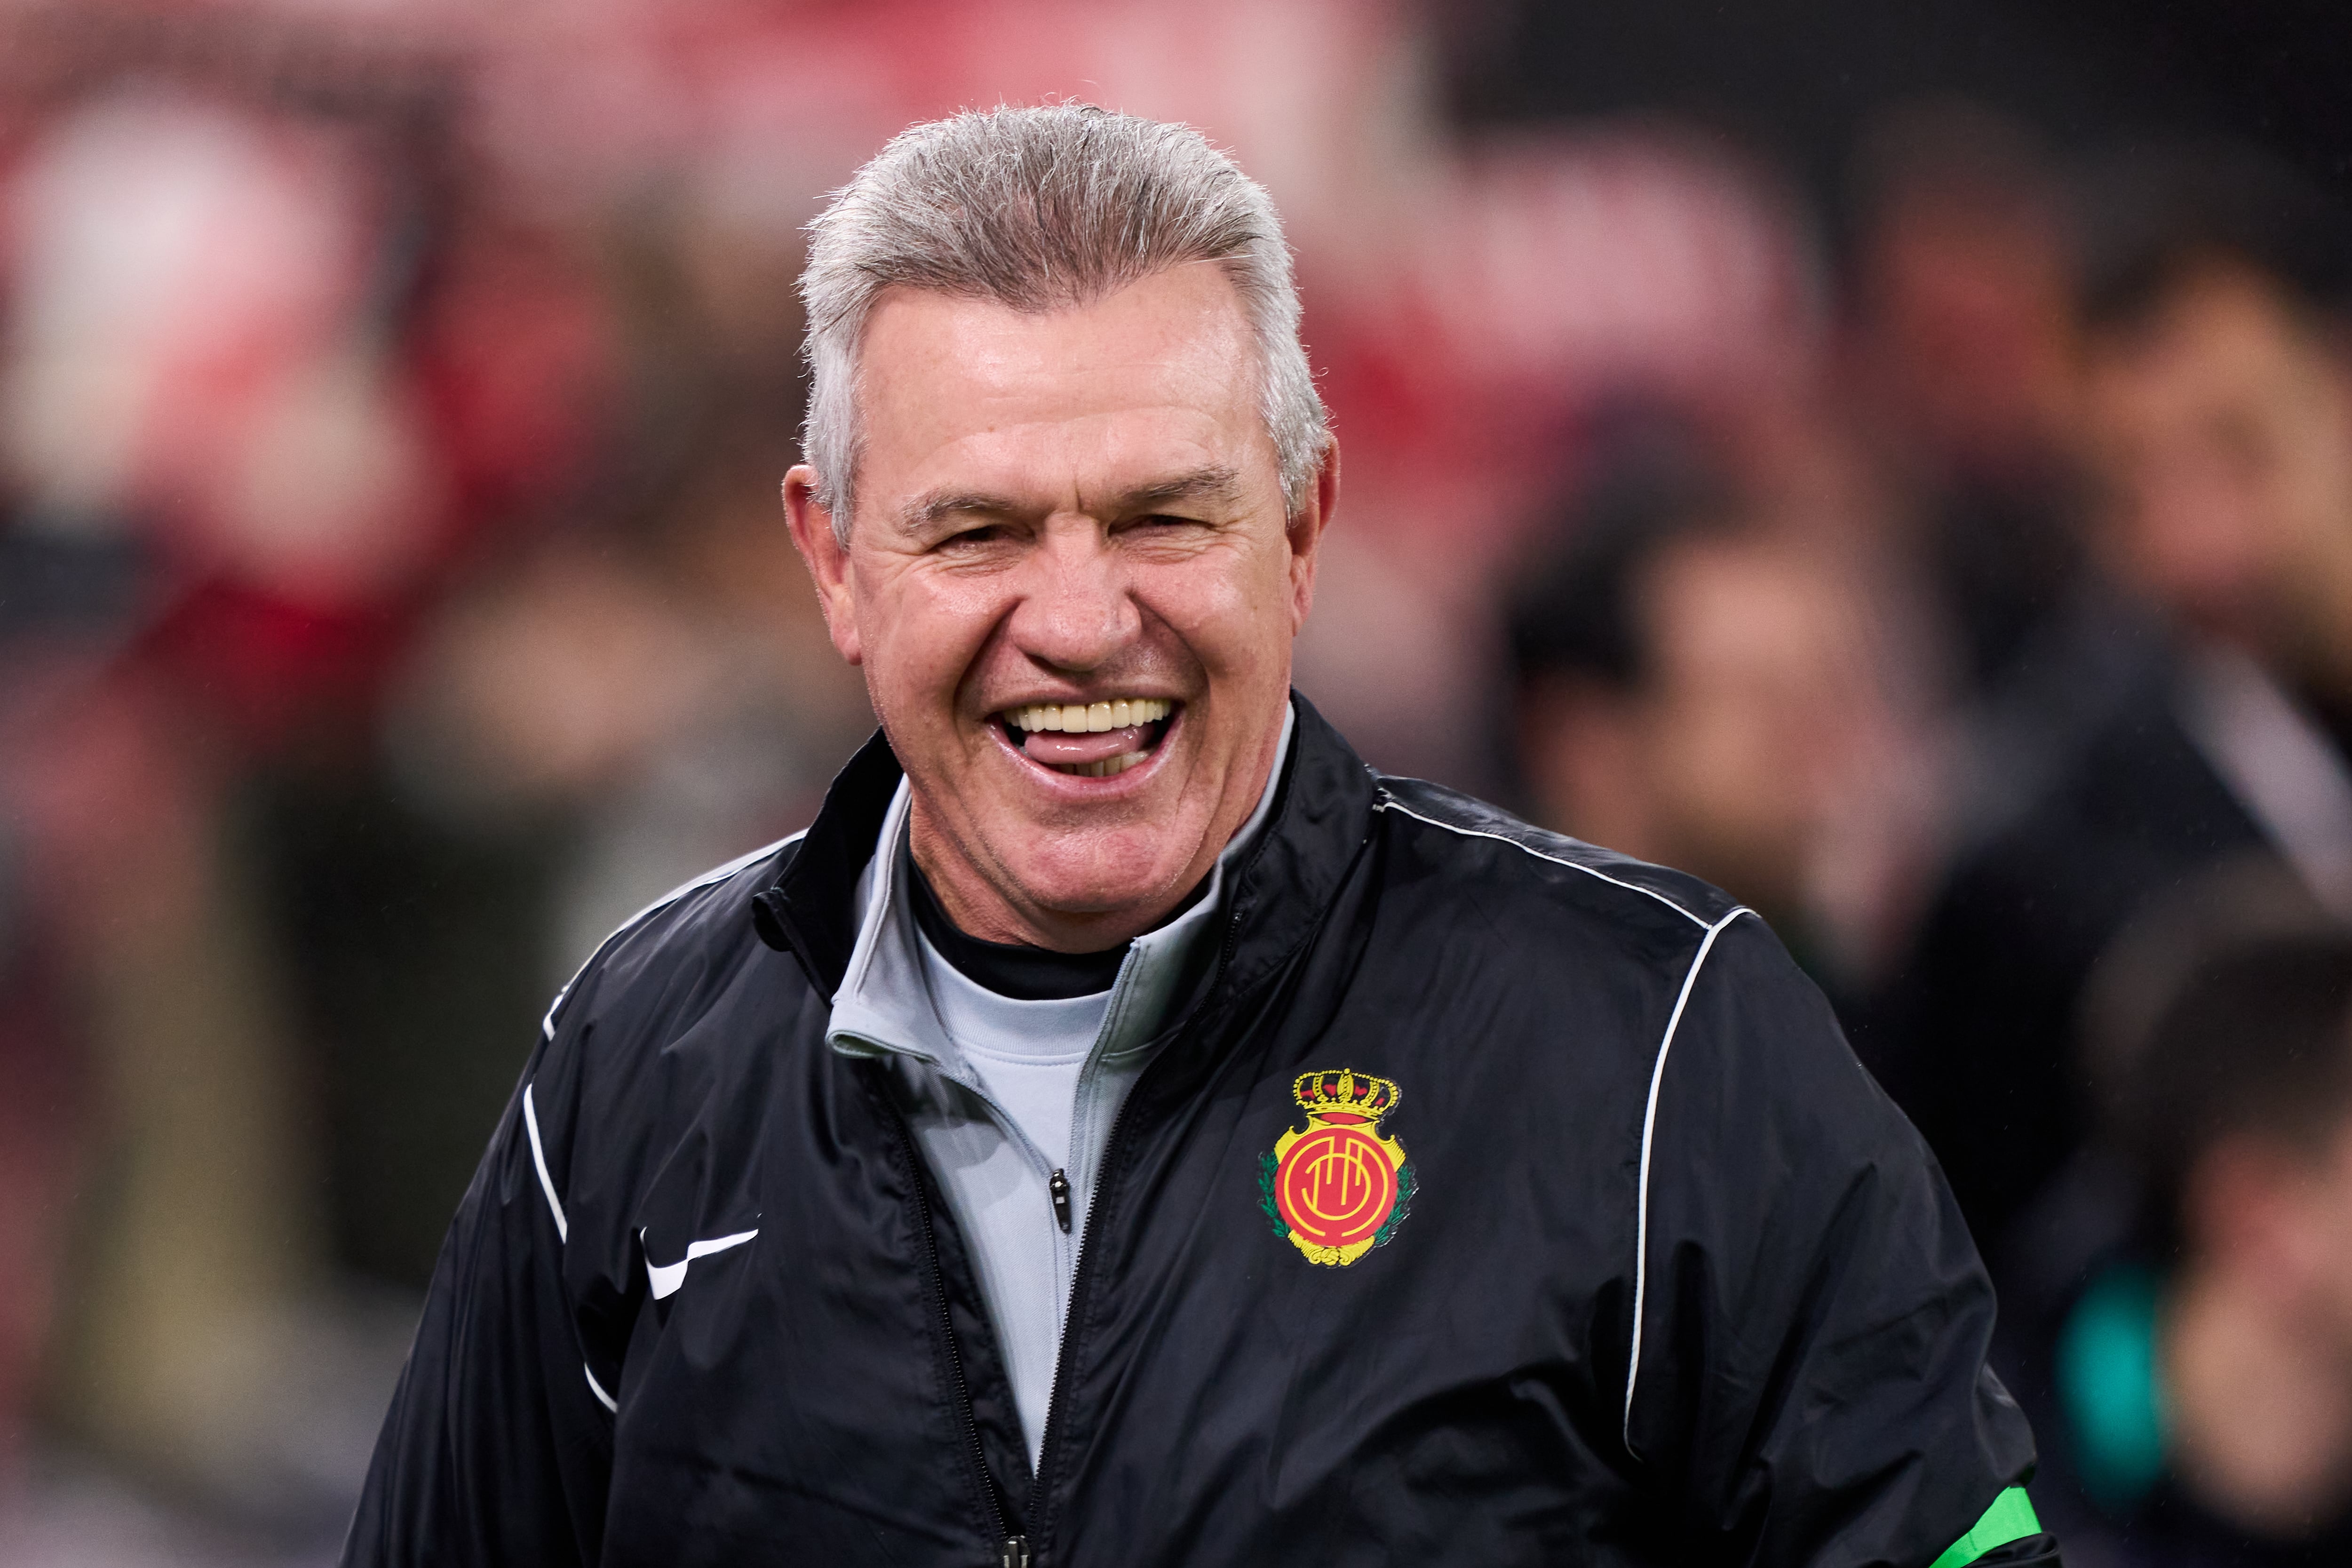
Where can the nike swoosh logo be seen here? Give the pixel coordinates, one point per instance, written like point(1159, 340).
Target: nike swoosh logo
point(667, 1276)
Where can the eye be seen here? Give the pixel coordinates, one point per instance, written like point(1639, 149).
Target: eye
point(975, 537)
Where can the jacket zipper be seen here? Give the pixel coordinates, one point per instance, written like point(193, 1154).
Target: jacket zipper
point(1013, 1551)
point(1078, 1276)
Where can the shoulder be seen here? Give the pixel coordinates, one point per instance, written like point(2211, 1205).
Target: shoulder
point(690, 955)
point(1470, 845)
point(1712, 987)
point(632, 1055)
point(659, 1025)
point(696, 930)
point(1548, 931)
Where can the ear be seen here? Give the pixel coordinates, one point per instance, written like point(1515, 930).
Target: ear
point(827, 559)
point(1305, 535)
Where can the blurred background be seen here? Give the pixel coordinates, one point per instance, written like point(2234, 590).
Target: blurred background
point(1892, 461)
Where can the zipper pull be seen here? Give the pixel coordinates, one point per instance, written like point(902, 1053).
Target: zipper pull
point(1014, 1553)
point(1058, 1186)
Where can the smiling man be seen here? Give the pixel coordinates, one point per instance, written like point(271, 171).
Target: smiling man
point(1124, 1126)
point(1074, 596)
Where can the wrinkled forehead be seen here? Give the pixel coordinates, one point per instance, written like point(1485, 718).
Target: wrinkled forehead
point(1159, 378)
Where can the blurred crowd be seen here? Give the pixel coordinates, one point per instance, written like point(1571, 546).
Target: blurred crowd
point(394, 597)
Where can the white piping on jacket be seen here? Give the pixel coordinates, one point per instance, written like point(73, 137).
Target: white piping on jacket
point(1389, 802)
point(530, 1112)
point(1649, 1127)
point(717, 874)
point(539, 1158)
point(547, 1025)
point(596, 1388)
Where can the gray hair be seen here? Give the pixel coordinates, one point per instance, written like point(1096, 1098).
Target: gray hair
point(1042, 208)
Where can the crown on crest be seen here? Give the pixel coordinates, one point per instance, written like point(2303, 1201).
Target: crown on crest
point(1345, 1096)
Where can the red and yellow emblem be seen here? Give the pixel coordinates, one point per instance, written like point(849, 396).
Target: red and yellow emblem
point(1337, 1188)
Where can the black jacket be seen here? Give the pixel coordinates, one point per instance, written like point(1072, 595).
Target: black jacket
point(1664, 1278)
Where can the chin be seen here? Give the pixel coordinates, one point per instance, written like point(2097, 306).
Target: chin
point(1100, 872)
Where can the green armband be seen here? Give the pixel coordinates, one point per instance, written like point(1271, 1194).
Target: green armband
point(2010, 1518)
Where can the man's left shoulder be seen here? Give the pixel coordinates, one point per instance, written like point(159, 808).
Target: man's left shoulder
point(1577, 922)
point(1514, 868)
point(1664, 983)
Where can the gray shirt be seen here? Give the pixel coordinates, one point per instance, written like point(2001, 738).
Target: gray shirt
point(1002, 1093)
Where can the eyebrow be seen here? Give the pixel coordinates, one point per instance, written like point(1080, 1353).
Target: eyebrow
point(917, 516)
point(1216, 482)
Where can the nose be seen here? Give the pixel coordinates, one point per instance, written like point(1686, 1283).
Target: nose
point(1077, 611)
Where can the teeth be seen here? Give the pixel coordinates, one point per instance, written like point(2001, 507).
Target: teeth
point(1082, 718)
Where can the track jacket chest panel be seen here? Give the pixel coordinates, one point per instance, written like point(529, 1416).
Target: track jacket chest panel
point(1451, 1395)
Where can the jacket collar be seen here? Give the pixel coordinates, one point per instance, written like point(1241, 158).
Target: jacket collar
point(810, 910)
point(1322, 813)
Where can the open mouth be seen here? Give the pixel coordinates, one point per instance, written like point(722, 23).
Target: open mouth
point(1089, 739)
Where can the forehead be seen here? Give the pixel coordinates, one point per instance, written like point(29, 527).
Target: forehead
point(2220, 330)
point(1737, 604)
point(1163, 372)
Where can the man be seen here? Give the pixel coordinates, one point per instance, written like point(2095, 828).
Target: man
point(1124, 1126)
point(2200, 1374)
point(2220, 406)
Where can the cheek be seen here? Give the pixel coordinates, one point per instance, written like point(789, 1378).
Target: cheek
point(919, 636)
point(2311, 495)
point(1229, 613)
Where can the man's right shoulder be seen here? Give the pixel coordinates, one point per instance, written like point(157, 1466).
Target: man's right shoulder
point(673, 962)
point(703, 921)
point(678, 1010)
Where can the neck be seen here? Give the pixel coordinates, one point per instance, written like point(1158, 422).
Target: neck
point(1025, 973)
point(2261, 1404)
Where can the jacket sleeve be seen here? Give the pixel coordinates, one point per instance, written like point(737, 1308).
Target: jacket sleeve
point(1810, 1386)
point(498, 1447)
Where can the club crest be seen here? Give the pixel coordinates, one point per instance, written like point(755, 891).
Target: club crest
point(1337, 1188)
